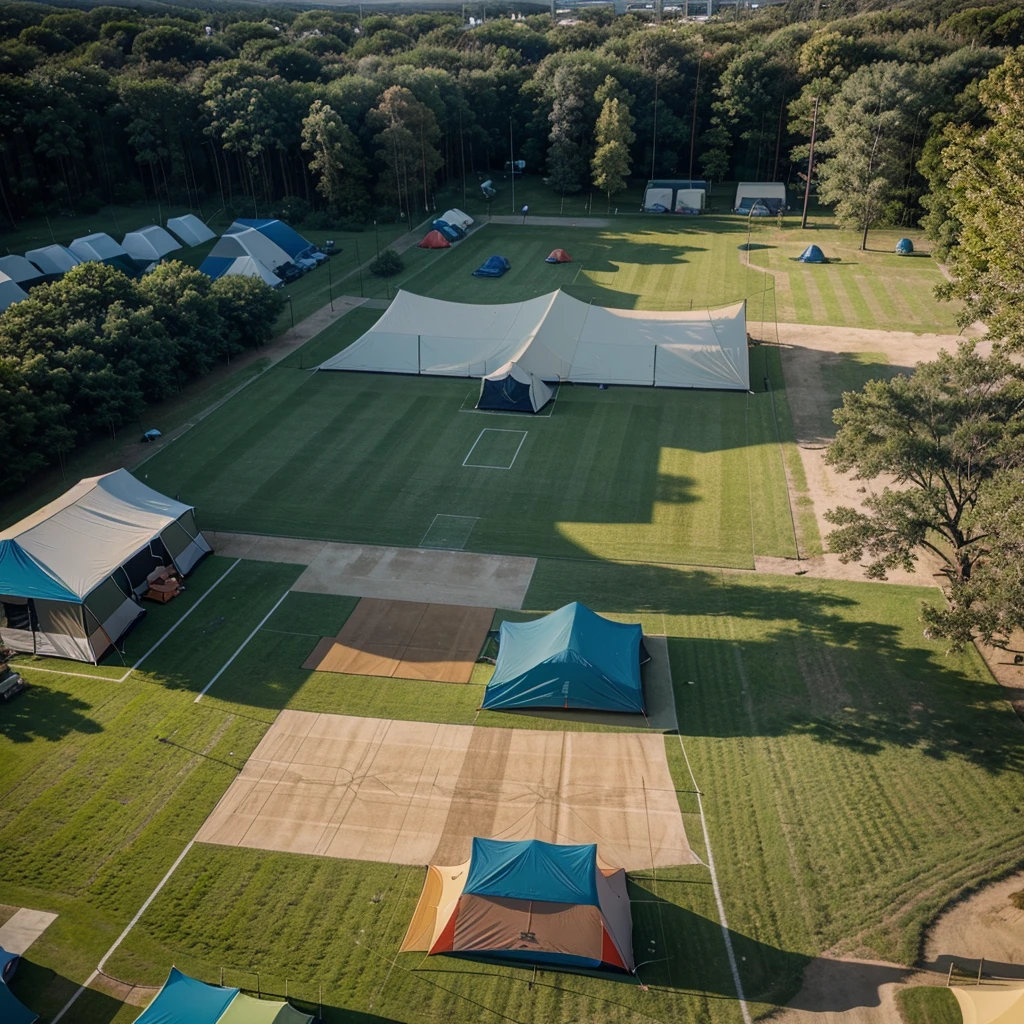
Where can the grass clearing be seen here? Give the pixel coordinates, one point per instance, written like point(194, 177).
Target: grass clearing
point(928, 1004)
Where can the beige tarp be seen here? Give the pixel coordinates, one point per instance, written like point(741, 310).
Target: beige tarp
point(245, 1009)
point(986, 1005)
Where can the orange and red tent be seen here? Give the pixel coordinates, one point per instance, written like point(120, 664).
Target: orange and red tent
point(558, 256)
point(435, 240)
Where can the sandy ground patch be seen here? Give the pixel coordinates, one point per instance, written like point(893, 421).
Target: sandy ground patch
point(846, 991)
point(400, 574)
point(985, 925)
point(417, 793)
point(23, 928)
point(406, 640)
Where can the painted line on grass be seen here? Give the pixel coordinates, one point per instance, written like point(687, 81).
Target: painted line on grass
point(494, 430)
point(447, 515)
point(122, 678)
point(729, 951)
point(131, 924)
point(244, 643)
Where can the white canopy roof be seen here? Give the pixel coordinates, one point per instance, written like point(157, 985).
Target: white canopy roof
point(555, 337)
point(53, 259)
point(18, 269)
point(247, 266)
point(152, 243)
point(250, 242)
point(10, 292)
point(98, 246)
point(79, 539)
point(190, 229)
point(457, 217)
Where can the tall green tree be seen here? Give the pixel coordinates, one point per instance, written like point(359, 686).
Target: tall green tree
point(567, 157)
point(985, 196)
point(939, 437)
point(335, 159)
point(614, 134)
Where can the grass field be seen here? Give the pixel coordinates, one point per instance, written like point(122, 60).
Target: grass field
point(628, 473)
point(854, 777)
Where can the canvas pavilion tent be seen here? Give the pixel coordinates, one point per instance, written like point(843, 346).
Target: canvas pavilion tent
point(984, 1005)
point(434, 240)
point(69, 573)
point(10, 292)
point(770, 194)
point(278, 233)
point(556, 338)
point(101, 248)
point(189, 230)
point(245, 252)
point(572, 658)
point(528, 902)
point(184, 1000)
point(512, 389)
point(53, 260)
point(20, 271)
point(150, 244)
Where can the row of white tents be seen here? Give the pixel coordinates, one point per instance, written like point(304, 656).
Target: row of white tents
point(138, 249)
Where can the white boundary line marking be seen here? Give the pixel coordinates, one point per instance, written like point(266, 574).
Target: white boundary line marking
point(448, 515)
point(242, 647)
point(122, 678)
point(729, 951)
point(494, 430)
point(131, 924)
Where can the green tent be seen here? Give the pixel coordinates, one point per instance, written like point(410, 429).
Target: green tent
point(247, 1010)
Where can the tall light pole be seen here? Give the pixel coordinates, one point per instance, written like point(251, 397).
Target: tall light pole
point(693, 123)
point(654, 140)
point(810, 165)
point(512, 162)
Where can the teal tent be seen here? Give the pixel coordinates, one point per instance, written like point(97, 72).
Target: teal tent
point(812, 254)
point(904, 247)
point(183, 1000)
point(12, 1011)
point(572, 658)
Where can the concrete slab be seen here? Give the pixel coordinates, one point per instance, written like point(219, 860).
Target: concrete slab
point(18, 933)
point(417, 793)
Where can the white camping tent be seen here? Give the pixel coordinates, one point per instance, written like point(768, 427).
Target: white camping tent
point(53, 259)
point(246, 266)
point(152, 243)
point(10, 292)
point(457, 217)
point(19, 270)
point(250, 242)
point(69, 573)
point(772, 191)
point(658, 197)
point(189, 229)
point(555, 337)
point(90, 248)
point(689, 199)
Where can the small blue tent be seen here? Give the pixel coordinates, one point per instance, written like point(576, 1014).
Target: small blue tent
point(904, 247)
point(572, 658)
point(812, 254)
point(183, 1000)
point(493, 266)
point(450, 231)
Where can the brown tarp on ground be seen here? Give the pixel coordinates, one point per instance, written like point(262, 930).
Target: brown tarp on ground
point(405, 640)
point(415, 792)
point(988, 1005)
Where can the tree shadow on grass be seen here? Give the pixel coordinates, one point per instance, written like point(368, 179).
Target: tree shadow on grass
point(39, 713)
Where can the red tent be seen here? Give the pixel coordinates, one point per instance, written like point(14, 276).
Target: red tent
point(435, 240)
point(559, 256)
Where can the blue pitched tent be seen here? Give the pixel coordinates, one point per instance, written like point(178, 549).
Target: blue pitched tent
point(572, 658)
point(527, 901)
point(904, 247)
point(812, 254)
point(450, 231)
point(183, 1000)
point(493, 266)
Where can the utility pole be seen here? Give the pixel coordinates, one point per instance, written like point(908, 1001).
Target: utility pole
point(654, 140)
point(512, 161)
point(810, 165)
point(693, 123)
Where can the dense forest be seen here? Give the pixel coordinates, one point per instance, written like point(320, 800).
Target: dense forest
point(319, 112)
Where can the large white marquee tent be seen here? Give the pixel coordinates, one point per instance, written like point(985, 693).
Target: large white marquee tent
point(189, 229)
point(557, 338)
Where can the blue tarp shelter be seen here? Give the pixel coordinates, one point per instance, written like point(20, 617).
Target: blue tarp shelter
point(280, 234)
point(528, 901)
point(904, 247)
point(12, 1011)
point(183, 1000)
point(493, 266)
point(812, 254)
point(572, 658)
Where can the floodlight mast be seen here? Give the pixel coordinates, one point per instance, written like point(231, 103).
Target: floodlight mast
point(512, 162)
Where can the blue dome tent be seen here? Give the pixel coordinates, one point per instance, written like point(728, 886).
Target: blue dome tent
point(493, 266)
point(572, 658)
point(904, 247)
point(812, 254)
